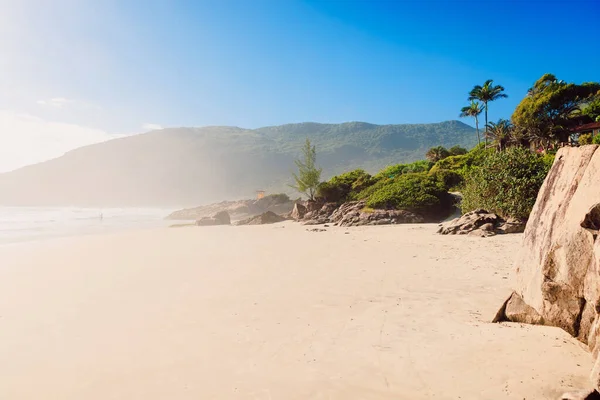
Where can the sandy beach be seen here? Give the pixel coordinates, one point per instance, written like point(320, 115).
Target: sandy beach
point(272, 312)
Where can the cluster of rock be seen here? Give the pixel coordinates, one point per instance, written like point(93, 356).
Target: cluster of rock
point(220, 218)
point(481, 223)
point(558, 267)
point(239, 209)
point(353, 213)
point(266, 218)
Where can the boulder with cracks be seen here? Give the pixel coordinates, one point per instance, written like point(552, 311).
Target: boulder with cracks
point(558, 267)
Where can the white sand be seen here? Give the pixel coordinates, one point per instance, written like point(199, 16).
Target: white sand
point(272, 312)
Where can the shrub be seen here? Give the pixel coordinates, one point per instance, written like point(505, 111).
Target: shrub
point(596, 139)
point(506, 183)
point(457, 151)
point(395, 170)
point(344, 187)
point(450, 179)
point(585, 138)
point(417, 166)
point(418, 192)
point(390, 172)
point(436, 154)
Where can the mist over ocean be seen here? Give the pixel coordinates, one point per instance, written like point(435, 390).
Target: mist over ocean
point(20, 224)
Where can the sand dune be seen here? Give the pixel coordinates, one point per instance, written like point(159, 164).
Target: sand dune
point(272, 312)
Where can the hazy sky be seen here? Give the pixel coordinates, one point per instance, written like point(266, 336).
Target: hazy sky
point(78, 71)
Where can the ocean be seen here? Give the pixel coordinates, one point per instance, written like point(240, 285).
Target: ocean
point(20, 224)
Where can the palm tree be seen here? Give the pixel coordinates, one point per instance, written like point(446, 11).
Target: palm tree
point(500, 132)
point(473, 110)
point(486, 93)
point(436, 154)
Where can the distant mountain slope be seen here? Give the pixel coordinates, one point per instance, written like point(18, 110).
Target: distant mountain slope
point(191, 166)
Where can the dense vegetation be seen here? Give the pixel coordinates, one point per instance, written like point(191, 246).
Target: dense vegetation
point(502, 175)
point(507, 182)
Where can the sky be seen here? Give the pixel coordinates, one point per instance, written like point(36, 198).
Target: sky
point(75, 72)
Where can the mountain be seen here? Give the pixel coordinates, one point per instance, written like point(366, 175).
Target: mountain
point(191, 166)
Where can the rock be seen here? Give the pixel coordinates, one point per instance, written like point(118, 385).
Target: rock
point(482, 224)
point(512, 225)
point(354, 214)
point(471, 221)
point(321, 215)
point(220, 218)
point(317, 230)
point(581, 395)
point(298, 212)
point(558, 266)
point(266, 218)
point(516, 310)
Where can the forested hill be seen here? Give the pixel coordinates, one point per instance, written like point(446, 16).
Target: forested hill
point(191, 166)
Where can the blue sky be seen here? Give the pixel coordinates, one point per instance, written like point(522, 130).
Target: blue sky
point(120, 67)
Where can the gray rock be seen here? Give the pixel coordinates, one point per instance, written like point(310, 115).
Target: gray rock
point(266, 218)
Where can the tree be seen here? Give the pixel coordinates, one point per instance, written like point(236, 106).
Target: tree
point(308, 176)
point(473, 110)
point(500, 133)
point(457, 151)
point(436, 154)
point(486, 93)
point(552, 107)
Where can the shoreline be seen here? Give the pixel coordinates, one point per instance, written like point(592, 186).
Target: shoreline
point(273, 311)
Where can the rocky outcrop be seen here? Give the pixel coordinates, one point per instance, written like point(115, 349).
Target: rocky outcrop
point(355, 214)
point(266, 218)
point(558, 267)
point(220, 218)
point(481, 223)
point(279, 204)
point(298, 212)
point(319, 216)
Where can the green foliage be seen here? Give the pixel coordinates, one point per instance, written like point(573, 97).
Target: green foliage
point(450, 179)
point(551, 108)
point(457, 151)
point(596, 139)
point(585, 138)
point(344, 187)
point(308, 176)
point(506, 183)
point(417, 192)
point(437, 153)
point(500, 133)
point(399, 169)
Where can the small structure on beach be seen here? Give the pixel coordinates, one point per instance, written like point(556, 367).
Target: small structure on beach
point(260, 194)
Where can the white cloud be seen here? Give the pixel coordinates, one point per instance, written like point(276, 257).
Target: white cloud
point(151, 127)
point(58, 102)
point(26, 139)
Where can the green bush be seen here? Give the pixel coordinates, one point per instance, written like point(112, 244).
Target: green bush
point(506, 183)
point(418, 192)
point(449, 178)
point(344, 187)
point(596, 139)
point(585, 138)
point(457, 151)
point(395, 170)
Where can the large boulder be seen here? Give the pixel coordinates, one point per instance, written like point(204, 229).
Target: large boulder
point(558, 267)
point(354, 214)
point(481, 223)
point(220, 218)
point(298, 212)
point(266, 218)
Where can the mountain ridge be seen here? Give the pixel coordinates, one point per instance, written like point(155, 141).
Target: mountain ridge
point(190, 166)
